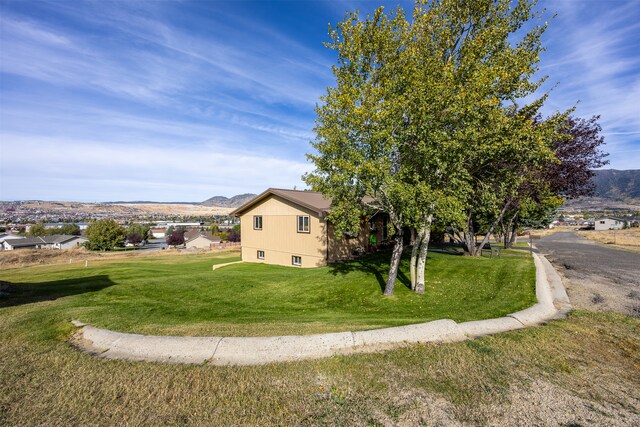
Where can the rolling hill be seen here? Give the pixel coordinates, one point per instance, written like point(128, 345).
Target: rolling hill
point(229, 202)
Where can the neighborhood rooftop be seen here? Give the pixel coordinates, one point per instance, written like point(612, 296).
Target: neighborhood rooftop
point(30, 241)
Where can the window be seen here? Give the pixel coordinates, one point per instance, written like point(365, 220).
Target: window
point(303, 224)
point(257, 222)
point(296, 260)
point(602, 222)
point(260, 254)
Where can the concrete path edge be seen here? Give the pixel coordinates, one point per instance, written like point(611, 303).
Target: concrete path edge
point(552, 303)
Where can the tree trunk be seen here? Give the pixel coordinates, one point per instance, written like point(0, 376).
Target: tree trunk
point(422, 259)
point(514, 235)
point(414, 257)
point(512, 228)
point(395, 262)
point(478, 248)
point(506, 233)
point(469, 242)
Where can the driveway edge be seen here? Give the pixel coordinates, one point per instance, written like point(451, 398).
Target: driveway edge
point(224, 351)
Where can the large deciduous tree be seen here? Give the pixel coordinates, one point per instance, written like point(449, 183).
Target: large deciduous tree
point(578, 151)
point(359, 160)
point(420, 114)
point(104, 235)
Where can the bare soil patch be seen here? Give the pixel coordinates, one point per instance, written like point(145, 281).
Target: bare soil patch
point(597, 277)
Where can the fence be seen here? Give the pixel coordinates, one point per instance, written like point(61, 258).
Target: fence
point(224, 245)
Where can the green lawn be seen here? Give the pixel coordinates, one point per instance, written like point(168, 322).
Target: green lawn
point(182, 295)
point(44, 381)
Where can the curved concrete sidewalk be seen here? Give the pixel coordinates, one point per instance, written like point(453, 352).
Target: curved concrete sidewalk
point(552, 303)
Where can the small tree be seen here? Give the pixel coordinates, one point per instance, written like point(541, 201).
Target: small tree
point(175, 238)
point(137, 233)
point(37, 230)
point(234, 234)
point(105, 234)
point(69, 229)
point(134, 238)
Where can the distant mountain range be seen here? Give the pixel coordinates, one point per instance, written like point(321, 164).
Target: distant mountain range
point(615, 190)
point(617, 184)
point(147, 202)
point(229, 202)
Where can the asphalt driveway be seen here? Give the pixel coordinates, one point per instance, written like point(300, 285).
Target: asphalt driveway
point(597, 277)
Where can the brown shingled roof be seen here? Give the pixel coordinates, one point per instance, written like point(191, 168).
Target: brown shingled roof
point(311, 200)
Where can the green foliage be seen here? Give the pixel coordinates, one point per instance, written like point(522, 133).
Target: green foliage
point(104, 235)
point(66, 229)
point(136, 233)
point(69, 229)
point(424, 117)
point(38, 230)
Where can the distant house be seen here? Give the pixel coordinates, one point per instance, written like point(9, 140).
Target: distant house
point(289, 227)
point(158, 233)
point(609, 223)
point(5, 236)
point(57, 241)
point(198, 239)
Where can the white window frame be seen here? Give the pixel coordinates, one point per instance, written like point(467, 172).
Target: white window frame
point(293, 260)
point(255, 221)
point(308, 221)
point(258, 254)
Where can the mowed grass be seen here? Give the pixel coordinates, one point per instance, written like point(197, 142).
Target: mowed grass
point(579, 371)
point(182, 295)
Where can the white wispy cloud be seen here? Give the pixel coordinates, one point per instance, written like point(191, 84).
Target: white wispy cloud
point(170, 173)
point(172, 100)
point(593, 58)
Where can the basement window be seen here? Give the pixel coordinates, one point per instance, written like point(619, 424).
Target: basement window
point(260, 254)
point(296, 260)
point(303, 224)
point(257, 222)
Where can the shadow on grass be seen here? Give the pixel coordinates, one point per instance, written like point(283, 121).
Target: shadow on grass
point(14, 294)
point(376, 264)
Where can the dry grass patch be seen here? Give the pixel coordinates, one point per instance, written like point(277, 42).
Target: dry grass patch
point(627, 239)
point(590, 361)
point(77, 256)
point(549, 231)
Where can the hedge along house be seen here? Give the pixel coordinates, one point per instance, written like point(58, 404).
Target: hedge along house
point(289, 227)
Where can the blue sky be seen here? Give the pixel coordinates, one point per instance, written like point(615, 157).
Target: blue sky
point(182, 100)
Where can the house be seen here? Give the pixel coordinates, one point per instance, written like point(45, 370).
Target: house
point(198, 239)
point(289, 227)
point(610, 223)
point(8, 237)
point(57, 241)
point(158, 233)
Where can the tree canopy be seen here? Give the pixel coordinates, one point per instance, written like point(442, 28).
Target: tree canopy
point(426, 119)
point(105, 234)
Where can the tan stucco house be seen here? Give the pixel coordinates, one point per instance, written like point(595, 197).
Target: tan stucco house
point(289, 227)
point(198, 239)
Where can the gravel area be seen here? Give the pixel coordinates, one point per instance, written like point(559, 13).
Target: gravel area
point(597, 277)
